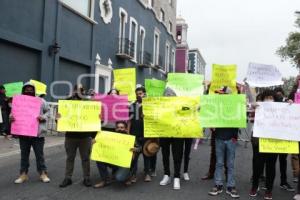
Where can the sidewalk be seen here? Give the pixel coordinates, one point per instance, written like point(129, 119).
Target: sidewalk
point(11, 147)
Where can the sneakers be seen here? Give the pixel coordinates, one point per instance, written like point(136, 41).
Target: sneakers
point(176, 184)
point(186, 177)
point(66, 182)
point(296, 197)
point(218, 189)
point(268, 196)
point(153, 174)
point(133, 179)
point(295, 179)
point(147, 178)
point(232, 192)
point(44, 178)
point(22, 178)
point(165, 181)
point(87, 182)
point(102, 184)
point(207, 177)
point(253, 192)
point(287, 187)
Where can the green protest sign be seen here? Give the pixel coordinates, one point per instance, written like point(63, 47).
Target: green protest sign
point(13, 88)
point(155, 88)
point(223, 111)
point(184, 84)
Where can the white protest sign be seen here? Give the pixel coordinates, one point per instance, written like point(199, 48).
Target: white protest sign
point(277, 121)
point(260, 75)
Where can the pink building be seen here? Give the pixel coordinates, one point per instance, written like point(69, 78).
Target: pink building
point(182, 48)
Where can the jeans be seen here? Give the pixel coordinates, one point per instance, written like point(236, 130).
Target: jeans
point(177, 151)
point(121, 174)
point(84, 146)
point(38, 148)
point(149, 162)
point(259, 161)
point(229, 147)
point(187, 151)
point(283, 168)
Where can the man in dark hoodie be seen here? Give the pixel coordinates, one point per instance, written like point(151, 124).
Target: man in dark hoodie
point(37, 143)
point(81, 141)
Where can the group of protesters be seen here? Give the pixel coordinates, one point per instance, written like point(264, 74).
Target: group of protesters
point(223, 148)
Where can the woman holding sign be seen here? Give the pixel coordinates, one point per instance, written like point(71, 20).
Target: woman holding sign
point(29, 140)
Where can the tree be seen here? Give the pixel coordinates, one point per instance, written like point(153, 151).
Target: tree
point(291, 50)
point(288, 84)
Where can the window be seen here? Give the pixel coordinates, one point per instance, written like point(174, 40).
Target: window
point(123, 21)
point(156, 48)
point(172, 61)
point(167, 56)
point(133, 36)
point(171, 2)
point(170, 27)
point(162, 15)
point(142, 43)
point(82, 6)
point(179, 36)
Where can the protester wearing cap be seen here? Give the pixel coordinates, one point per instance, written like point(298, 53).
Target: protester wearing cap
point(136, 128)
point(37, 143)
point(226, 141)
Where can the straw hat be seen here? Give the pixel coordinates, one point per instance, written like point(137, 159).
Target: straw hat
point(151, 147)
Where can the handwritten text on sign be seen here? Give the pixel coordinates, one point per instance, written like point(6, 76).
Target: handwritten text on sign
point(125, 82)
point(278, 146)
point(223, 75)
point(171, 117)
point(260, 75)
point(113, 148)
point(223, 111)
point(79, 116)
point(277, 121)
point(25, 110)
point(186, 84)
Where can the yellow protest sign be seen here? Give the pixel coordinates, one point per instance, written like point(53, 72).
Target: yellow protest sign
point(278, 146)
point(125, 82)
point(79, 116)
point(172, 117)
point(113, 148)
point(223, 75)
point(40, 88)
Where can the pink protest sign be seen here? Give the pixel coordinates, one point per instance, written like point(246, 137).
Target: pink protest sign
point(114, 107)
point(25, 111)
point(297, 98)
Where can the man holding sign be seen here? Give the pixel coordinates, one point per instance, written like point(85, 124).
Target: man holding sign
point(29, 116)
point(120, 173)
point(81, 121)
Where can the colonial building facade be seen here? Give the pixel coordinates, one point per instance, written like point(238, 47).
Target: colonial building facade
point(197, 63)
point(61, 40)
point(187, 60)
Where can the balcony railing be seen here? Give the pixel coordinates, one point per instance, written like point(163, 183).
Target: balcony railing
point(145, 59)
point(126, 48)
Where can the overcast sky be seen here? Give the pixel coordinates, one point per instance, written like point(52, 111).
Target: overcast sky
point(240, 31)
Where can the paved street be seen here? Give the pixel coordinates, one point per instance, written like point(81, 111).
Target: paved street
point(55, 157)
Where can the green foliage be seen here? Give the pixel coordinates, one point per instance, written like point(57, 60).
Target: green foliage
point(288, 84)
point(291, 50)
